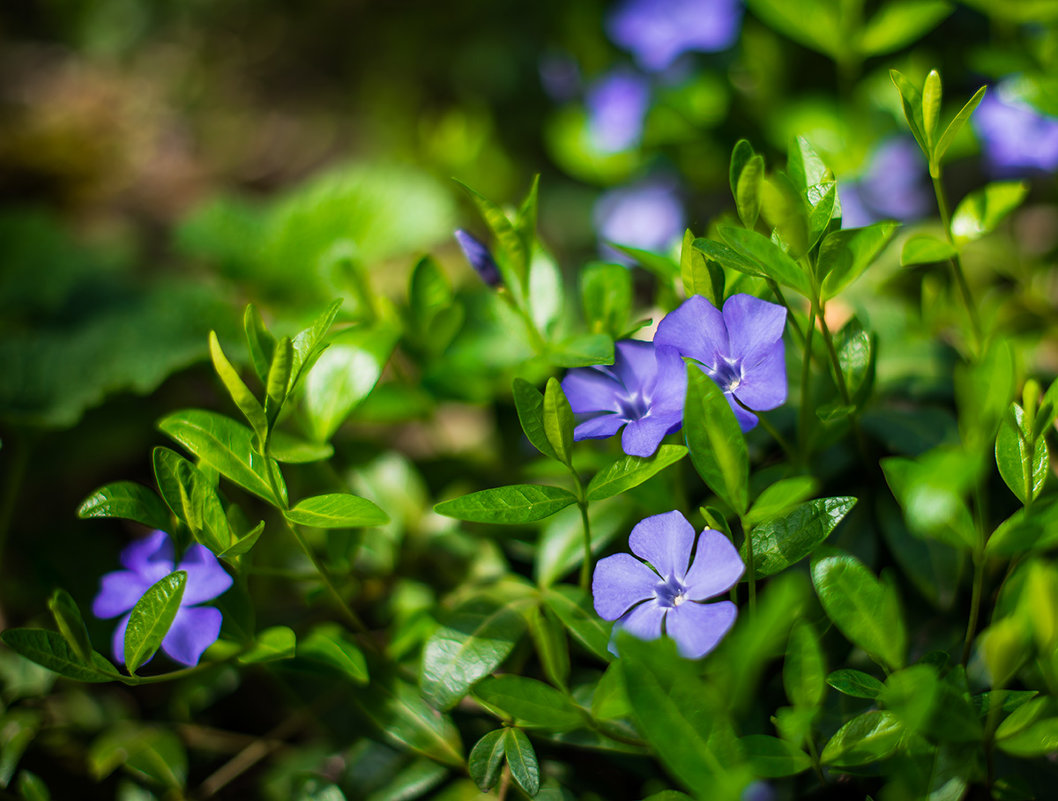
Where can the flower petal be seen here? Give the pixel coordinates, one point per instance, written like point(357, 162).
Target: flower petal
point(746, 419)
point(665, 541)
point(194, 629)
point(697, 628)
point(635, 364)
point(151, 557)
point(117, 641)
point(716, 566)
point(590, 390)
point(206, 578)
point(603, 425)
point(753, 325)
point(619, 582)
point(642, 437)
point(118, 593)
point(644, 621)
point(763, 384)
point(670, 387)
point(695, 329)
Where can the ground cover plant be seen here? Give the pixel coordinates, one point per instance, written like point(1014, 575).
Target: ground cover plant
point(712, 463)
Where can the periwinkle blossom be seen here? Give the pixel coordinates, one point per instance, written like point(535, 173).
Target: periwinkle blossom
point(479, 257)
point(667, 595)
point(740, 348)
point(1017, 139)
point(647, 215)
point(146, 562)
point(894, 186)
point(657, 32)
point(617, 107)
point(643, 392)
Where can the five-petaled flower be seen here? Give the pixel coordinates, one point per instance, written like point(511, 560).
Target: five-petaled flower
point(741, 349)
point(666, 596)
point(643, 391)
point(479, 257)
point(146, 562)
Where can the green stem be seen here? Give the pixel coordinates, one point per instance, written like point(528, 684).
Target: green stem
point(835, 362)
point(535, 338)
point(135, 681)
point(956, 263)
point(975, 603)
point(804, 441)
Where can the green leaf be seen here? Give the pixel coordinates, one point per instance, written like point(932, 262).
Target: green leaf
point(727, 257)
point(662, 266)
point(715, 440)
point(1039, 739)
point(785, 210)
point(864, 609)
point(804, 669)
point(151, 618)
point(911, 694)
point(50, 649)
point(781, 542)
point(741, 154)
point(327, 645)
point(866, 739)
point(337, 510)
point(290, 450)
point(606, 296)
point(552, 646)
point(812, 23)
point(855, 683)
point(310, 343)
point(845, 254)
point(925, 249)
point(226, 446)
point(769, 258)
point(530, 702)
point(529, 403)
point(243, 544)
point(574, 608)
point(956, 125)
point(260, 342)
point(822, 198)
point(747, 191)
point(772, 758)
point(911, 98)
point(631, 471)
point(517, 503)
point(521, 759)
point(558, 421)
point(1023, 471)
point(901, 22)
point(71, 625)
point(512, 257)
point(931, 100)
point(32, 788)
point(167, 466)
point(127, 500)
point(271, 645)
point(343, 376)
point(469, 645)
point(779, 498)
point(804, 167)
point(982, 210)
point(930, 492)
point(150, 753)
point(700, 274)
point(485, 759)
point(525, 220)
point(583, 351)
point(239, 392)
point(278, 380)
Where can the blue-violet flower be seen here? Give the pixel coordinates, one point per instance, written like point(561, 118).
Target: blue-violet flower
point(643, 391)
point(741, 349)
point(657, 32)
point(648, 216)
point(1017, 138)
point(617, 107)
point(479, 257)
point(893, 186)
point(146, 562)
point(665, 597)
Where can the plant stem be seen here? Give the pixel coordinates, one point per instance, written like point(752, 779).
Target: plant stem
point(956, 263)
point(835, 362)
point(975, 603)
point(804, 442)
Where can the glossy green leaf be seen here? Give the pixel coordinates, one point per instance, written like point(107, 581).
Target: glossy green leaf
point(574, 608)
point(982, 210)
point(517, 503)
point(1039, 739)
point(1023, 470)
point(932, 94)
point(925, 249)
point(310, 343)
point(769, 258)
point(747, 191)
point(512, 257)
point(864, 609)
point(485, 759)
point(327, 645)
point(469, 645)
point(956, 125)
point(50, 649)
point(700, 274)
point(804, 167)
point(772, 758)
point(804, 669)
point(259, 341)
point(606, 297)
point(727, 257)
point(71, 624)
point(741, 154)
point(864, 740)
point(226, 446)
point(240, 393)
point(552, 646)
point(911, 97)
point(631, 471)
point(151, 618)
point(779, 498)
point(243, 544)
point(582, 351)
point(129, 501)
point(558, 421)
point(822, 199)
point(529, 403)
point(521, 759)
point(291, 450)
point(899, 23)
point(337, 510)
point(530, 702)
point(785, 210)
point(715, 440)
point(855, 683)
point(845, 254)
point(812, 23)
point(781, 542)
point(271, 645)
point(278, 380)
point(910, 694)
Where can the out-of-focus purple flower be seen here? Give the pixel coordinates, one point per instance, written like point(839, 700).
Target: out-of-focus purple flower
point(670, 590)
point(657, 32)
point(146, 562)
point(1017, 138)
point(893, 187)
point(479, 257)
point(643, 391)
point(617, 108)
point(647, 216)
point(741, 349)
point(560, 76)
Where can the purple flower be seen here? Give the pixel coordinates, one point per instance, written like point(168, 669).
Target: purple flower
point(479, 257)
point(643, 600)
point(657, 32)
point(149, 560)
point(617, 108)
point(647, 216)
point(643, 391)
point(1017, 139)
point(893, 187)
point(741, 349)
